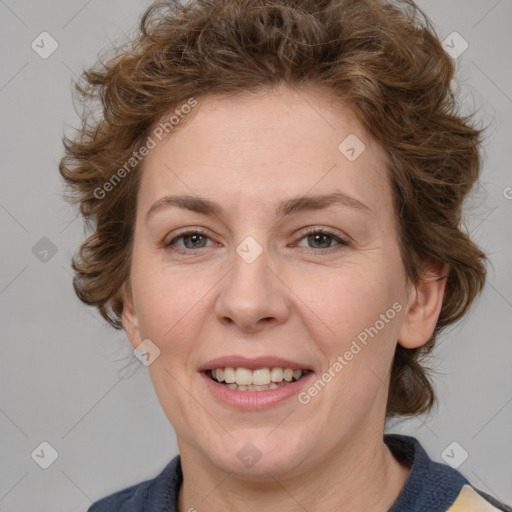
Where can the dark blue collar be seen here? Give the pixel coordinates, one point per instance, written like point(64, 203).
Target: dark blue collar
point(431, 486)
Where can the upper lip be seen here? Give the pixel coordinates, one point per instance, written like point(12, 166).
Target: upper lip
point(252, 363)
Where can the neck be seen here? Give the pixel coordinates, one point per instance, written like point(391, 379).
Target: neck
point(359, 476)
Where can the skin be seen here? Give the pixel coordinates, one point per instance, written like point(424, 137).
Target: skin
point(303, 298)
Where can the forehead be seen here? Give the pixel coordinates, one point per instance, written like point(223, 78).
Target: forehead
point(276, 143)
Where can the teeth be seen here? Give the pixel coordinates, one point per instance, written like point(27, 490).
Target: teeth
point(253, 387)
point(261, 377)
point(229, 375)
point(243, 376)
point(251, 380)
point(276, 374)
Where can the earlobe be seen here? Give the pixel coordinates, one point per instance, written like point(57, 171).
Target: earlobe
point(423, 309)
point(129, 317)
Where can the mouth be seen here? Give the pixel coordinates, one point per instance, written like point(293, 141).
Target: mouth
point(259, 379)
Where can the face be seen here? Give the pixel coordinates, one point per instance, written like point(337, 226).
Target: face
point(318, 283)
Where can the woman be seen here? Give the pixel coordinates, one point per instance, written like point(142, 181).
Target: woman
point(276, 191)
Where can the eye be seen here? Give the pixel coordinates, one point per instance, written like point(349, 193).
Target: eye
point(194, 239)
point(323, 238)
point(191, 240)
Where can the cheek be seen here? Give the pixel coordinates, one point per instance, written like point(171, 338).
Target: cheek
point(342, 304)
point(167, 301)
point(345, 323)
point(354, 320)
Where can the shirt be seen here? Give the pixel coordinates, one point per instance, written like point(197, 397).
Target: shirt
point(430, 487)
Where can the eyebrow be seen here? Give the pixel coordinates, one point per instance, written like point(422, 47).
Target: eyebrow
point(288, 207)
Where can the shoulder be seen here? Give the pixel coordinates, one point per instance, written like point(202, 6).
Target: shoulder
point(434, 486)
point(160, 491)
point(473, 500)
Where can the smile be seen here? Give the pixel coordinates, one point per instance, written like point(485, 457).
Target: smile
point(260, 379)
point(255, 396)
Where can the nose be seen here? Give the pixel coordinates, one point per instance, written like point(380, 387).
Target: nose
point(252, 296)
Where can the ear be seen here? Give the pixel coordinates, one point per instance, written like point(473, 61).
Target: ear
point(424, 306)
point(129, 317)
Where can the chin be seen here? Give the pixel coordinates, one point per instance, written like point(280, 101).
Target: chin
point(254, 455)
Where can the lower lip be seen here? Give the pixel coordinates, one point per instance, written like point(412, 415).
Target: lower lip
point(253, 400)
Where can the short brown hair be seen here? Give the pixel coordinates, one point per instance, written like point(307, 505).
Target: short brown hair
point(382, 58)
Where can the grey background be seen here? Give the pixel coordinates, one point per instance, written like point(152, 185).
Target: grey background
point(68, 379)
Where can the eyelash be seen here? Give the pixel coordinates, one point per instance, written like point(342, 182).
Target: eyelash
point(307, 233)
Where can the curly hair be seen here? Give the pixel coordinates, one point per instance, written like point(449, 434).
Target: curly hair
point(383, 59)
